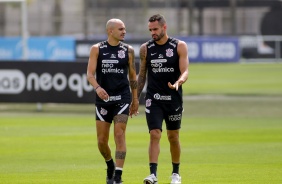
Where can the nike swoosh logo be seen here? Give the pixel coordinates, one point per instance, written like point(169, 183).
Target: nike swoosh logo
point(105, 54)
point(153, 54)
point(177, 109)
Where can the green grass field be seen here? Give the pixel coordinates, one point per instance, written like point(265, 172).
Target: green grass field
point(235, 78)
point(231, 133)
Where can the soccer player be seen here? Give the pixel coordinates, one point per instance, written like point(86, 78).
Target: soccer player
point(164, 60)
point(113, 63)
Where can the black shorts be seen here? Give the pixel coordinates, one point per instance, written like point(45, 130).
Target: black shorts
point(108, 112)
point(157, 112)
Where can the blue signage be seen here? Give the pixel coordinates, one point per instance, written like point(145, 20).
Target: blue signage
point(39, 48)
point(213, 49)
point(200, 49)
point(10, 48)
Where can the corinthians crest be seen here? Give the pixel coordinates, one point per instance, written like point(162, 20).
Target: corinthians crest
point(103, 111)
point(148, 102)
point(121, 54)
point(169, 52)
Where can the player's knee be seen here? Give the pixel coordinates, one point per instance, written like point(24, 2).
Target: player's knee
point(119, 136)
point(173, 139)
point(155, 134)
point(102, 142)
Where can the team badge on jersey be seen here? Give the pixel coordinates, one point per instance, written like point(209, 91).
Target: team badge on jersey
point(169, 52)
point(121, 54)
point(103, 111)
point(148, 102)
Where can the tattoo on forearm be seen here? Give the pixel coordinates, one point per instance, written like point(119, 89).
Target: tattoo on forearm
point(131, 52)
point(133, 84)
point(142, 52)
point(143, 70)
point(120, 155)
point(141, 83)
point(121, 118)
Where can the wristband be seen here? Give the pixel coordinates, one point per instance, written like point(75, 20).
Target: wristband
point(97, 87)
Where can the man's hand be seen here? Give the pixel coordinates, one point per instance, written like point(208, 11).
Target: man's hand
point(133, 109)
point(102, 94)
point(175, 85)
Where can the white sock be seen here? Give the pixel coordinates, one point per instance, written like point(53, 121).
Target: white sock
point(119, 168)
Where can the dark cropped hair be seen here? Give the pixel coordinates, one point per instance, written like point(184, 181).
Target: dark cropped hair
point(158, 17)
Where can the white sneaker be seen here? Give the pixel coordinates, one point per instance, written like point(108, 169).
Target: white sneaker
point(151, 179)
point(175, 179)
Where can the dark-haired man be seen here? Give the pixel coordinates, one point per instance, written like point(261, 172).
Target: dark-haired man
point(164, 60)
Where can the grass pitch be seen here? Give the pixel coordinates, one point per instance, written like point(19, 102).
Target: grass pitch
point(227, 136)
point(235, 79)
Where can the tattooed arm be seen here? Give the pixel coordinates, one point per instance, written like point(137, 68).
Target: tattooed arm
point(143, 69)
point(133, 82)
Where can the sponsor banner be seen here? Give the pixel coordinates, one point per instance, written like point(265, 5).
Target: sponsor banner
point(58, 82)
point(200, 49)
point(10, 48)
point(213, 49)
point(39, 48)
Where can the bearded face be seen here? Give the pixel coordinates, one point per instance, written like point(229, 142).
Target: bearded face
point(157, 30)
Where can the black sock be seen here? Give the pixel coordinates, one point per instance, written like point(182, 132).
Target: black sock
point(110, 169)
point(118, 173)
point(110, 163)
point(175, 167)
point(153, 168)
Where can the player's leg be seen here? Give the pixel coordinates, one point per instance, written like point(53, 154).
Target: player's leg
point(103, 125)
point(154, 151)
point(154, 146)
point(173, 124)
point(175, 149)
point(102, 129)
point(119, 135)
point(154, 117)
point(120, 122)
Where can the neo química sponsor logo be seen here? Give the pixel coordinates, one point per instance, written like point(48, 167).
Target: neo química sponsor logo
point(14, 81)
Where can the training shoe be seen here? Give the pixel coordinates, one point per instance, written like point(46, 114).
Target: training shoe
point(110, 175)
point(151, 179)
point(117, 180)
point(109, 180)
point(175, 178)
